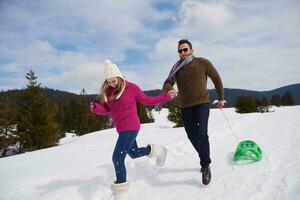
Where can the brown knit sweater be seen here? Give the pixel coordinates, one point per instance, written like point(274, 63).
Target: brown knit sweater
point(192, 82)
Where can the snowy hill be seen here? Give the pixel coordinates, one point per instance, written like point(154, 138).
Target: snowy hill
point(81, 167)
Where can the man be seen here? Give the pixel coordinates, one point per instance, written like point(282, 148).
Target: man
point(190, 73)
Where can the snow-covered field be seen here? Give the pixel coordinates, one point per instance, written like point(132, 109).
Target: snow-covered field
point(81, 167)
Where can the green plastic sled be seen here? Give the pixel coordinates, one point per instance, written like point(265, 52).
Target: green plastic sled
point(247, 150)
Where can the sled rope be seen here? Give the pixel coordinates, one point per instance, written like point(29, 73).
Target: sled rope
point(229, 125)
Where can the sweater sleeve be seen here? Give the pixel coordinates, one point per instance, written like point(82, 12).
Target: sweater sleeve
point(214, 75)
point(101, 109)
point(168, 86)
point(147, 100)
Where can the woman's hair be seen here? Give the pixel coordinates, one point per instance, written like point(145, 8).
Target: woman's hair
point(115, 92)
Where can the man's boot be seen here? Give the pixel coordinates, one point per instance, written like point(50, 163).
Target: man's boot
point(158, 152)
point(206, 175)
point(120, 190)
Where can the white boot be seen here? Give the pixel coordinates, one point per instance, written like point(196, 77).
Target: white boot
point(158, 152)
point(120, 190)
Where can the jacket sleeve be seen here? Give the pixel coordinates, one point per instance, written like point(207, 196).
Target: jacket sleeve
point(147, 100)
point(213, 74)
point(100, 109)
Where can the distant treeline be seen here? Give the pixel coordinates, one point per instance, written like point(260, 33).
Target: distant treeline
point(35, 118)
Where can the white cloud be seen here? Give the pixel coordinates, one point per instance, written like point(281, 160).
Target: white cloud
point(205, 17)
point(245, 41)
point(164, 49)
point(58, 39)
point(64, 42)
point(132, 76)
point(10, 67)
point(87, 75)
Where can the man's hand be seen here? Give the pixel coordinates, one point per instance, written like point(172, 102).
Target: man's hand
point(220, 104)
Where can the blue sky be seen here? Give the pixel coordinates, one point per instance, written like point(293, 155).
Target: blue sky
point(253, 44)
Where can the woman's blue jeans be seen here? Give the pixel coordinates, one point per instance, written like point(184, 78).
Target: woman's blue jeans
point(126, 144)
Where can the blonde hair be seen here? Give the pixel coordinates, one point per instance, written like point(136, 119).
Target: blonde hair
point(116, 94)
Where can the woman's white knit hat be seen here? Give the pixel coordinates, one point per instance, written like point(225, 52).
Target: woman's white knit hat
point(111, 70)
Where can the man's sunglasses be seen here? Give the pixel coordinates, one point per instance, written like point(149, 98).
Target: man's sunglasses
point(181, 50)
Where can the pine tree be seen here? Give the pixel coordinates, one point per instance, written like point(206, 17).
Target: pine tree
point(79, 119)
point(97, 122)
point(143, 113)
point(287, 99)
point(275, 100)
point(264, 105)
point(7, 128)
point(258, 103)
point(6, 112)
point(245, 104)
point(35, 117)
point(76, 112)
point(175, 113)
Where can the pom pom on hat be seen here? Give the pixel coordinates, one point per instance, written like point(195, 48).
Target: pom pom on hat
point(111, 70)
point(107, 62)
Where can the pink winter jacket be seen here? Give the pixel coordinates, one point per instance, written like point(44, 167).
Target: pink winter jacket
point(124, 111)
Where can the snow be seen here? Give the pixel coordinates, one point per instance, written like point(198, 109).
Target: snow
point(81, 167)
point(69, 137)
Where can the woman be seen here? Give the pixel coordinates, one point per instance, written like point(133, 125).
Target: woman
point(118, 97)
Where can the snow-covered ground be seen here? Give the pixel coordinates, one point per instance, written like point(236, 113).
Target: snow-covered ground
point(81, 167)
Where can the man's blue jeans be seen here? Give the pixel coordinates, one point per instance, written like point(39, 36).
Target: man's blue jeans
point(195, 121)
point(126, 144)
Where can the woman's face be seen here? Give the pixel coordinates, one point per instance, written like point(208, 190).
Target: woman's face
point(113, 82)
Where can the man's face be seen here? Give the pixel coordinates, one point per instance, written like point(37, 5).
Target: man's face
point(184, 51)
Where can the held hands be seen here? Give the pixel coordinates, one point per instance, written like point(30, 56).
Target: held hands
point(172, 93)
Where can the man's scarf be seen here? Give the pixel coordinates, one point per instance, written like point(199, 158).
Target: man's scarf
point(176, 67)
point(171, 78)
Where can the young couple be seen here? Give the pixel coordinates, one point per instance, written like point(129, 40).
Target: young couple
point(118, 97)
